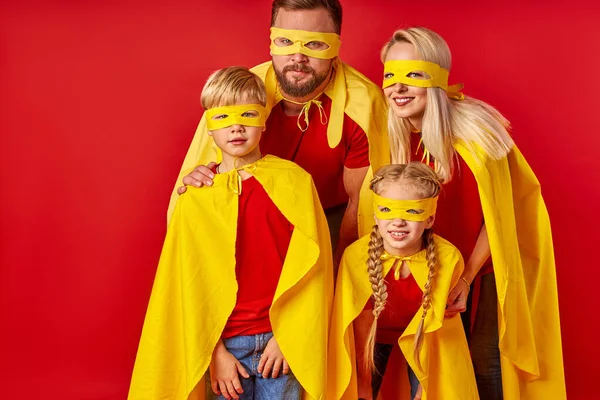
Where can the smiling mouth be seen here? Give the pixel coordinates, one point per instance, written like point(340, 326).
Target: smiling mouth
point(402, 101)
point(398, 234)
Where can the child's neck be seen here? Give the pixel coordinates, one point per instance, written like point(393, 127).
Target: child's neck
point(230, 162)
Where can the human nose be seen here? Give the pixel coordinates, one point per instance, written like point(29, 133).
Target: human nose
point(236, 128)
point(398, 222)
point(399, 87)
point(299, 58)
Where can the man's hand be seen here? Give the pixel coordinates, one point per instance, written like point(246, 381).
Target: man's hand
point(200, 176)
point(224, 370)
point(272, 360)
point(457, 299)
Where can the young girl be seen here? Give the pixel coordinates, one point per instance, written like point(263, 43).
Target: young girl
point(244, 284)
point(391, 291)
point(491, 204)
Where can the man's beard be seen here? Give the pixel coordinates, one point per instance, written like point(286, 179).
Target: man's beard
point(291, 87)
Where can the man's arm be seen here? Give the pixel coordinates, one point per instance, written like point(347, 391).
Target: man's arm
point(353, 180)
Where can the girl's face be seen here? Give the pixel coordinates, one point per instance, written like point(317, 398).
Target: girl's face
point(406, 101)
point(401, 237)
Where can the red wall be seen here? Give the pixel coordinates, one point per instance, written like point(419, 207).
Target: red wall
point(100, 99)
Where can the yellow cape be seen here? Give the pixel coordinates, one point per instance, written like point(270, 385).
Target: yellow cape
point(447, 369)
point(351, 93)
point(195, 286)
point(518, 227)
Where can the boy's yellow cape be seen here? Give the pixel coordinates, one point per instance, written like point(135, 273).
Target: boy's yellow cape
point(195, 286)
point(520, 238)
point(447, 369)
point(350, 92)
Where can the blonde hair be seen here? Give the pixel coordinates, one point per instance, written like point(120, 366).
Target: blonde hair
point(232, 85)
point(425, 182)
point(445, 120)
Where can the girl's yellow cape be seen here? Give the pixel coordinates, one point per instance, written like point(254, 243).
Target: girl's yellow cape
point(350, 92)
point(195, 286)
point(520, 238)
point(447, 369)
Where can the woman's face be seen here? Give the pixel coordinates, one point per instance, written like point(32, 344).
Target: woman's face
point(406, 101)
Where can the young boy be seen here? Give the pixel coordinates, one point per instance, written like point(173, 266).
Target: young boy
point(244, 285)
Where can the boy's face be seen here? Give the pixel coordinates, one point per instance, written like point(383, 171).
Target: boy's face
point(239, 140)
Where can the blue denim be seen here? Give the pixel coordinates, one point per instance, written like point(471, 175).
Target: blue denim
point(248, 349)
point(381, 356)
point(484, 342)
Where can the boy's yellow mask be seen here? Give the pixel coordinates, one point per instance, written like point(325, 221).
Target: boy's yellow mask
point(409, 210)
point(312, 44)
point(397, 71)
point(222, 117)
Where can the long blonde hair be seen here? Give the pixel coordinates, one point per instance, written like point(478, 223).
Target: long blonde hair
point(425, 182)
point(446, 120)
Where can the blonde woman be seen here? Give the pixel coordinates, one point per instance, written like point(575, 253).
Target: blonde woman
point(490, 205)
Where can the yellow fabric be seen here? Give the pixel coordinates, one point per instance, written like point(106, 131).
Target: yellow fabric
point(290, 41)
point(447, 369)
point(397, 71)
point(222, 117)
point(195, 287)
point(351, 93)
point(401, 208)
point(397, 265)
point(520, 239)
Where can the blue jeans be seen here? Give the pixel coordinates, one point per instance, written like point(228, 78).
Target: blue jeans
point(382, 355)
point(484, 342)
point(248, 349)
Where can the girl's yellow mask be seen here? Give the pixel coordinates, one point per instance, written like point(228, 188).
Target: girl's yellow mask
point(409, 210)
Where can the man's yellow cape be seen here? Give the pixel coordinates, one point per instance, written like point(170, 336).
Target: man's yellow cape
point(520, 239)
point(195, 286)
point(447, 369)
point(350, 92)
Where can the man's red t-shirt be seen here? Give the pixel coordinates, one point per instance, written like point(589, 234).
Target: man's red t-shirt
point(459, 215)
point(262, 241)
point(310, 149)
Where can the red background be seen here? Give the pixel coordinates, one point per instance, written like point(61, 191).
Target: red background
point(100, 99)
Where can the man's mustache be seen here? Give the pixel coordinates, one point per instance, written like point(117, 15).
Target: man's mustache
point(298, 68)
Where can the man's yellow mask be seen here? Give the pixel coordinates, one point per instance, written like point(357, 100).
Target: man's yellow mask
point(245, 114)
point(399, 71)
point(409, 210)
point(312, 44)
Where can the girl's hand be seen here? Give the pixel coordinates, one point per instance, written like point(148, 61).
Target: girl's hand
point(272, 360)
point(224, 370)
point(457, 299)
point(419, 393)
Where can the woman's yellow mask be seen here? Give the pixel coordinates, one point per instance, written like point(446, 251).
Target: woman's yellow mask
point(398, 71)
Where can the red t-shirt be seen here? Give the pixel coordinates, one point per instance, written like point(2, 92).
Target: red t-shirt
point(263, 238)
point(310, 150)
point(403, 302)
point(459, 215)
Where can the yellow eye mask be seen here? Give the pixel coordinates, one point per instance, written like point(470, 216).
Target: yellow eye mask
point(246, 114)
point(312, 44)
point(409, 210)
point(399, 71)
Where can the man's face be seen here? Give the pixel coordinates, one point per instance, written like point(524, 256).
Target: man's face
point(300, 76)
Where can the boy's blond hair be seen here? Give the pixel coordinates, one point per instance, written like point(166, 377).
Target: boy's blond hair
point(233, 85)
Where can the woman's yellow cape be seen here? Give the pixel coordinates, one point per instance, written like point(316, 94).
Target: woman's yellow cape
point(520, 238)
point(195, 286)
point(350, 92)
point(447, 369)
